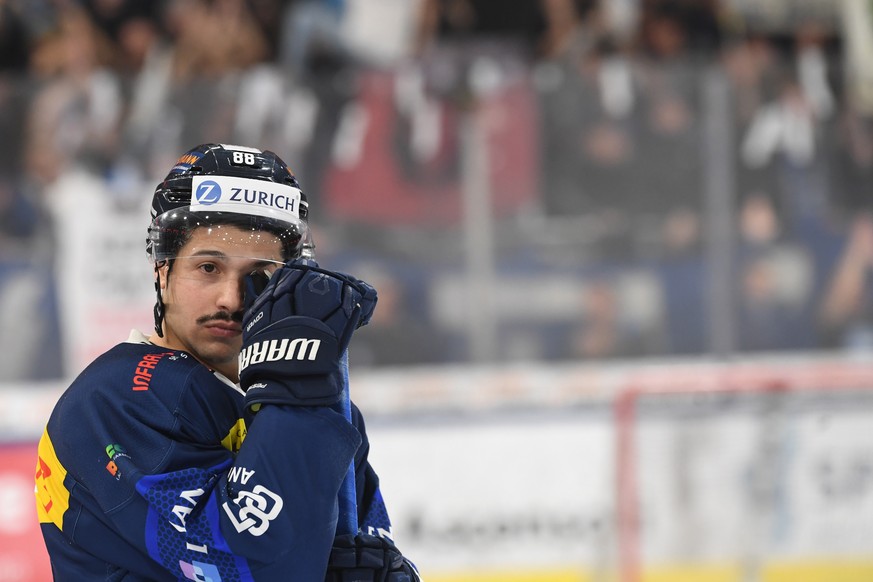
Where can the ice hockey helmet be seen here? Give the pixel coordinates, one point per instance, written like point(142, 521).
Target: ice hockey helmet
point(218, 184)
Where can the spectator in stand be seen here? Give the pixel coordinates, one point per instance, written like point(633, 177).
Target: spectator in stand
point(670, 192)
point(311, 33)
point(775, 283)
point(852, 160)
point(789, 138)
point(783, 137)
point(14, 40)
point(268, 15)
point(314, 55)
point(14, 103)
point(606, 140)
point(601, 334)
point(619, 318)
point(213, 38)
point(750, 64)
point(589, 111)
point(772, 302)
point(817, 73)
point(21, 220)
point(450, 21)
point(699, 19)
point(76, 112)
point(113, 17)
point(572, 27)
point(846, 311)
point(202, 45)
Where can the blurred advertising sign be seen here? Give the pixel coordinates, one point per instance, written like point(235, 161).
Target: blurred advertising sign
point(398, 154)
point(105, 284)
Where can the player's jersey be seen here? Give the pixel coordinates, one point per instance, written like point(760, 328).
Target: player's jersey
point(147, 471)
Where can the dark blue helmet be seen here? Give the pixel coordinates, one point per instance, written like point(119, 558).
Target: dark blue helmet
point(217, 184)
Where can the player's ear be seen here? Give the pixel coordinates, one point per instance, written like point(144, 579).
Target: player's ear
point(160, 276)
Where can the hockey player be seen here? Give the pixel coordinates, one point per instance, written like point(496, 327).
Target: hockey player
point(213, 450)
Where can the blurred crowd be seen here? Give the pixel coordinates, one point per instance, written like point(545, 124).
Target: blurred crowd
point(664, 177)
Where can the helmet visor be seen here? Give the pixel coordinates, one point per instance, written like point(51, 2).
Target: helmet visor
point(173, 233)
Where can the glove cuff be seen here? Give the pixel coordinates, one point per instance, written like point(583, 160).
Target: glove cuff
point(321, 390)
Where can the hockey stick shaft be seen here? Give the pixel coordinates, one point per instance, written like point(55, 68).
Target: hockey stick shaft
point(347, 522)
point(348, 499)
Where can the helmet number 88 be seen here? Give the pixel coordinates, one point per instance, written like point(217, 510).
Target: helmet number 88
point(246, 158)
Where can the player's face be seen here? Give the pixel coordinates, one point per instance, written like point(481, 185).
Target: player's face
point(203, 295)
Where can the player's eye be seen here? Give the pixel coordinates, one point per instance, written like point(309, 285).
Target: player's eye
point(208, 268)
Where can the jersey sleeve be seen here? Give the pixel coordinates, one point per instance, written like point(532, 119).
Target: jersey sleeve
point(268, 514)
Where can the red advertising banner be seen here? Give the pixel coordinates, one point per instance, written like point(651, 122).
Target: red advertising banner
point(400, 163)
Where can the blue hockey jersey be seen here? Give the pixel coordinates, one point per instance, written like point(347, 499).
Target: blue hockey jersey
point(147, 470)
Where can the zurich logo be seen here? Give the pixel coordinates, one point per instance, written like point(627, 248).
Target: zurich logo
point(208, 192)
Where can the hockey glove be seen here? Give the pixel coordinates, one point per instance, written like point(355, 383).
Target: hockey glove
point(366, 558)
point(295, 332)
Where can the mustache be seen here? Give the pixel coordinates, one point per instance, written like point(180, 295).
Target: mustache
point(235, 317)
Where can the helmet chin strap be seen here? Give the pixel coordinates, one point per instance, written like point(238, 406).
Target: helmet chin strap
point(159, 304)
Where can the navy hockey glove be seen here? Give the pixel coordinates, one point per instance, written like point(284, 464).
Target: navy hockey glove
point(366, 558)
point(295, 332)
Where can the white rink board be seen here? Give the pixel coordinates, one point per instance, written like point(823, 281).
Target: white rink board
point(533, 491)
point(492, 492)
point(718, 489)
